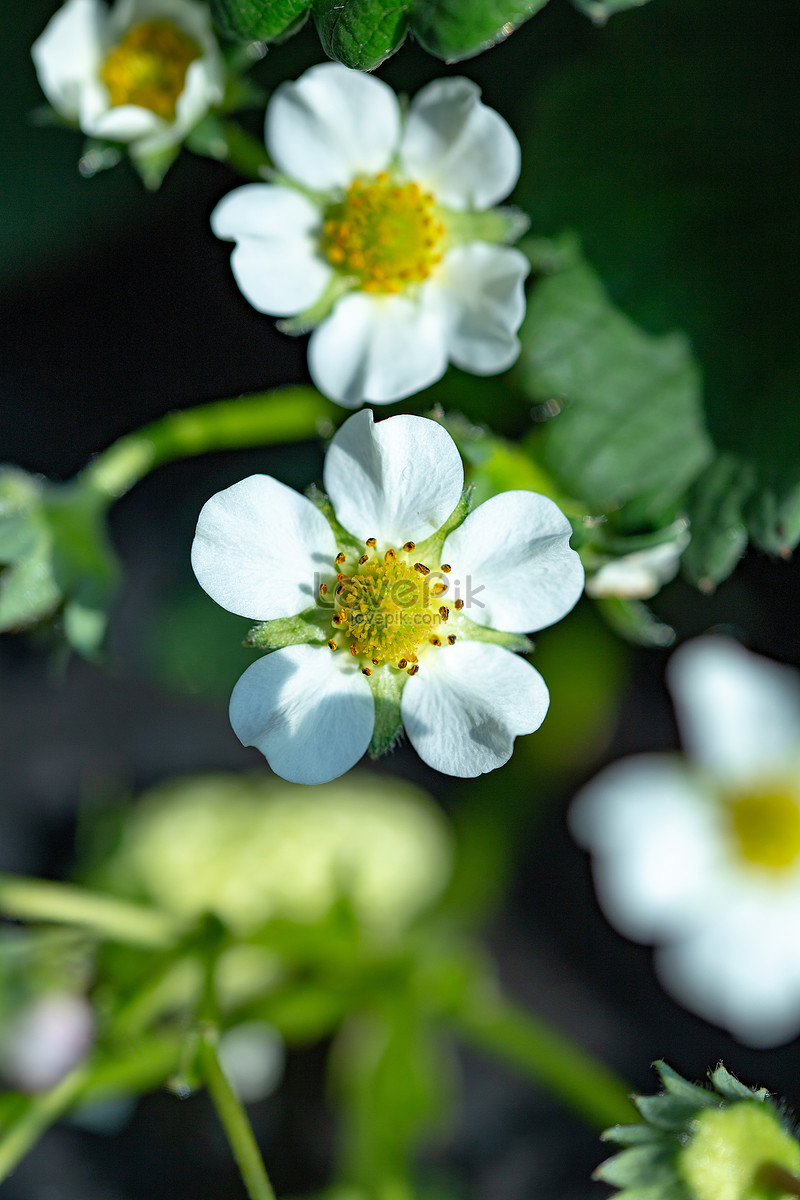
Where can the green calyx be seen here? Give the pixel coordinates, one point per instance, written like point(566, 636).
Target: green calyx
point(723, 1142)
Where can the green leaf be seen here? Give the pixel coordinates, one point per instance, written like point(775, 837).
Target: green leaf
point(631, 421)
point(456, 29)
point(361, 33)
point(257, 20)
point(719, 533)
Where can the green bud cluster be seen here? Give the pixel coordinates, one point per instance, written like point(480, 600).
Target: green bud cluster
point(723, 1142)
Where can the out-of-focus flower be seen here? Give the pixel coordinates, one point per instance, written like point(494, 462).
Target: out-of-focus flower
point(46, 1040)
point(252, 1056)
point(702, 855)
point(724, 1142)
point(640, 574)
point(380, 232)
point(142, 73)
point(393, 602)
point(249, 848)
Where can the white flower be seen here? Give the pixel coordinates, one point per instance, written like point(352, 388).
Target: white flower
point(380, 224)
point(640, 574)
point(143, 72)
point(702, 857)
point(412, 603)
point(47, 1040)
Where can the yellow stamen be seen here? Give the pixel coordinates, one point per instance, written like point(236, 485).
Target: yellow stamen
point(148, 67)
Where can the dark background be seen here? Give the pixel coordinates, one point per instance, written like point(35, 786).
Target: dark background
point(668, 141)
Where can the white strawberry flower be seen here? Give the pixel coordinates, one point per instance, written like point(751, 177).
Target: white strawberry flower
point(143, 72)
point(383, 611)
point(380, 231)
point(701, 855)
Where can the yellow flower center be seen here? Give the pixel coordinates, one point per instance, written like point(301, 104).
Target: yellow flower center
point(148, 67)
point(388, 606)
point(766, 826)
point(388, 235)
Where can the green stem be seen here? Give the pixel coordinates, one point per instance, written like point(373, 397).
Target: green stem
point(43, 1111)
point(60, 903)
point(512, 1033)
point(245, 153)
point(234, 1121)
point(266, 418)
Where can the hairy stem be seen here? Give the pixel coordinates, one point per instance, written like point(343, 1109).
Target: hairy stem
point(234, 1121)
point(267, 418)
point(62, 904)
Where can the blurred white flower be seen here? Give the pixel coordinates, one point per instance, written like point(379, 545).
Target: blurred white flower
point(252, 1056)
point(413, 608)
point(640, 574)
point(142, 73)
point(380, 231)
point(702, 855)
point(250, 848)
point(45, 1041)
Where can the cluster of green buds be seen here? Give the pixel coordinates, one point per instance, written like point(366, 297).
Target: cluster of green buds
point(723, 1142)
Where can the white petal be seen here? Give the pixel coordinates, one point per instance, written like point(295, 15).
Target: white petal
point(639, 575)
point(513, 564)
point(275, 262)
point(738, 713)
point(468, 703)
point(332, 125)
point(376, 350)
point(123, 123)
point(309, 715)
point(203, 87)
point(458, 147)
point(741, 969)
point(68, 53)
point(258, 546)
point(479, 292)
point(397, 481)
point(660, 856)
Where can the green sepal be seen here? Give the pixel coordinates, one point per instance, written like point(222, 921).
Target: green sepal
point(98, 155)
point(773, 516)
point(28, 590)
point(639, 1166)
point(387, 688)
point(313, 625)
point(730, 1088)
point(633, 1135)
point(719, 532)
point(635, 622)
point(682, 1089)
point(667, 1112)
point(337, 286)
point(431, 548)
point(344, 540)
point(599, 11)
point(151, 168)
point(469, 631)
point(495, 225)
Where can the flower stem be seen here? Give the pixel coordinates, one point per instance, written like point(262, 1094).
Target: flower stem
point(234, 1120)
point(287, 415)
point(43, 1111)
point(584, 1084)
point(116, 920)
point(245, 153)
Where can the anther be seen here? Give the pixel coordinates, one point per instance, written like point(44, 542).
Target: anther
point(446, 568)
point(403, 664)
point(341, 576)
point(372, 543)
point(451, 639)
point(439, 588)
point(423, 570)
point(376, 662)
point(409, 546)
point(340, 557)
point(459, 604)
point(390, 556)
point(436, 640)
point(366, 670)
point(444, 612)
point(353, 649)
point(337, 618)
point(364, 558)
point(413, 669)
point(333, 645)
point(323, 589)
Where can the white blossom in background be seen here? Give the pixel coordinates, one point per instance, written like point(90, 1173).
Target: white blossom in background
point(701, 855)
point(380, 231)
point(640, 574)
point(402, 608)
point(143, 72)
point(46, 1040)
